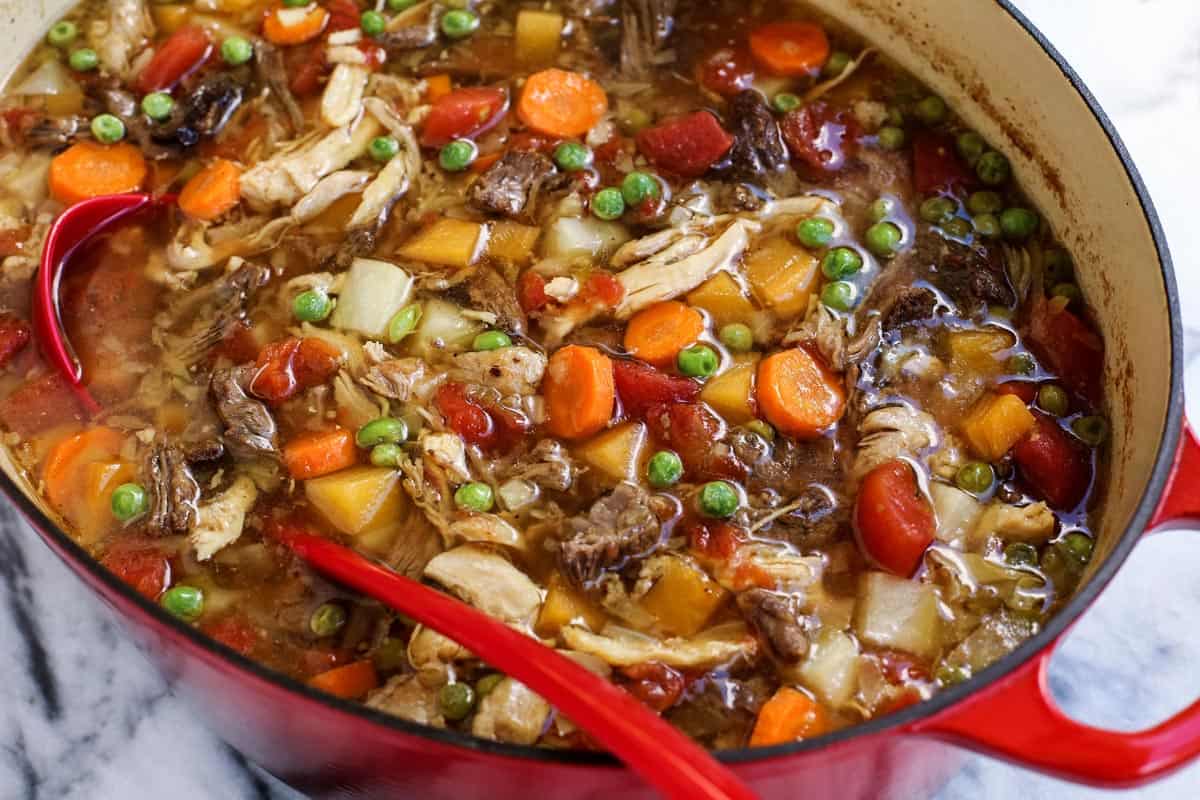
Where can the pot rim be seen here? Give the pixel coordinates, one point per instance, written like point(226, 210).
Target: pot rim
point(88, 567)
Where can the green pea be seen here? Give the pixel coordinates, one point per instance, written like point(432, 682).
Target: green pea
point(391, 655)
point(327, 619)
point(931, 110)
point(894, 116)
point(952, 674)
point(1021, 554)
point(373, 23)
point(386, 455)
point(108, 129)
point(815, 232)
point(129, 500)
point(608, 204)
point(404, 322)
point(737, 337)
point(883, 239)
point(698, 361)
point(890, 137)
point(1057, 266)
point(970, 146)
point(491, 340)
point(474, 496)
point(456, 700)
point(1021, 364)
point(385, 430)
point(760, 428)
point(1091, 430)
point(62, 34)
point(985, 202)
point(664, 469)
point(993, 168)
point(235, 50)
point(572, 156)
point(632, 119)
point(975, 477)
point(1076, 547)
point(639, 187)
point(1069, 291)
point(837, 63)
point(485, 685)
point(384, 148)
point(184, 602)
point(718, 499)
point(958, 228)
point(841, 262)
point(457, 155)
point(158, 105)
point(1018, 223)
point(839, 295)
point(312, 306)
point(400, 5)
point(882, 208)
point(1053, 399)
point(938, 210)
point(83, 60)
point(459, 23)
point(987, 225)
point(785, 102)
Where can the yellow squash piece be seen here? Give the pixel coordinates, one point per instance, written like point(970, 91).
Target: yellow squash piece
point(724, 299)
point(979, 352)
point(566, 606)
point(539, 34)
point(684, 599)
point(782, 275)
point(995, 424)
point(358, 501)
point(731, 393)
point(512, 242)
point(447, 242)
point(616, 453)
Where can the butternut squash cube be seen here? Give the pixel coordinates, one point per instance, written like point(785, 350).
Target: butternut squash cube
point(565, 606)
point(724, 299)
point(616, 453)
point(512, 242)
point(782, 275)
point(359, 500)
point(979, 351)
point(539, 34)
point(684, 599)
point(731, 394)
point(995, 424)
point(170, 18)
point(448, 242)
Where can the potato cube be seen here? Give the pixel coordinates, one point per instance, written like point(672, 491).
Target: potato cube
point(831, 669)
point(448, 242)
point(979, 351)
point(684, 599)
point(512, 242)
point(616, 453)
point(539, 34)
point(995, 424)
point(898, 613)
point(782, 275)
point(723, 298)
point(566, 606)
point(731, 393)
point(357, 500)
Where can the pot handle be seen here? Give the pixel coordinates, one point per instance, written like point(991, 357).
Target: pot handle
point(1019, 720)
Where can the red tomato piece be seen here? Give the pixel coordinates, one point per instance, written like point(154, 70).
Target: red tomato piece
point(894, 519)
point(726, 71)
point(1069, 346)
point(530, 142)
point(1054, 465)
point(604, 288)
point(717, 541)
point(12, 240)
point(145, 569)
point(463, 415)
point(307, 68)
point(235, 632)
point(692, 430)
point(462, 114)
point(176, 58)
point(820, 136)
point(658, 686)
point(531, 292)
point(14, 335)
point(40, 404)
point(685, 146)
point(937, 167)
point(1026, 390)
point(343, 15)
point(289, 367)
point(641, 387)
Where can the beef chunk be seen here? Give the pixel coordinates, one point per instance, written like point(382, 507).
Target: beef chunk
point(488, 291)
point(758, 146)
point(200, 319)
point(786, 467)
point(816, 517)
point(203, 113)
point(777, 620)
point(619, 526)
point(511, 185)
point(174, 489)
point(720, 712)
point(52, 132)
point(645, 26)
point(249, 427)
point(410, 37)
point(913, 304)
point(971, 276)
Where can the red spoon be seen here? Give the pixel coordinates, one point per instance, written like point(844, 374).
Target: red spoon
point(69, 232)
point(666, 758)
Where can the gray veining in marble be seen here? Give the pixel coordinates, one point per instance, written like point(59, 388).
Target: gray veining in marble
point(82, 714)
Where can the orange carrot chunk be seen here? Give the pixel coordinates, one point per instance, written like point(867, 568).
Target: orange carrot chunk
point(789, 715)
point(317, 454)
point(657, 334)
point(560, 103)
point(212, 191)
point(350, 682)
point(580, 392)
point(798, 394)
point(89, 169)
point(62, 473)
point(294, 25)
point(790, 48)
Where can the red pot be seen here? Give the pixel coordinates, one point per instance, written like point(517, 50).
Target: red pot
point(1008, 82)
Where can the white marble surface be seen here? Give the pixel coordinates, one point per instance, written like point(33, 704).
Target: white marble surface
point(82, 715)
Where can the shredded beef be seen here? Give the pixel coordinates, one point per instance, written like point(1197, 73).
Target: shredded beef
point(758, 146)
point(777, 620)
point(511, 186)
point(619, 526)
point(971, 276)
point(202, 318)
point(249, 427)
point(173, 488)
point(52, 132)
point(268, 64)
point(488, 291)
point(203, 113)
point(914, 304)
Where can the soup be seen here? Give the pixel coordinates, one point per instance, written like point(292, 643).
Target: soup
point(701, 343)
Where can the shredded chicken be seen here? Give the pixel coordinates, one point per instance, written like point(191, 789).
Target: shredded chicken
point(1031, 523)
point(118, 37)
point(508, 370)
point(486, 580)
point(400, 379)
point(891, 432)
point(342, 101)
point(622, 648)
point(432, 654)
point(392, 182)
point(219, 523)
point(511, 713)
point(406, 697)
point(449, 452)
point(489, 529)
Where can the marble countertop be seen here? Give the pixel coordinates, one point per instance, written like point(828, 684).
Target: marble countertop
point(83, 715)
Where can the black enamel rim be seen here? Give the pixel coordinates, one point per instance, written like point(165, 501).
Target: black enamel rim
point(79, 560)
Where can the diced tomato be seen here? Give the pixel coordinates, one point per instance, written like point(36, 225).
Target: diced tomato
point(893, 518)
point(658, 686)
point(182, 52)
point(239, 346)
point(685, 146)
point(291, 366)
point(235, 632)
point(727, 71)
point(14, 335)
point(611, 150)
point(604, 289)
point(12, 240)
point(530, 142)
point(343, 15)
point(508, 428)
point(937, 167)
point(531, 292)
point(462, 114)
point(717, 541)
point(40, 404)
point(376, 56)
point(1069, 346)
point(694, 432)
point(1026, 390)
point(820, 136)
point(641, 387)
point(1054, 465)
point(307, 68)
point(145, 569)
point(463, 415)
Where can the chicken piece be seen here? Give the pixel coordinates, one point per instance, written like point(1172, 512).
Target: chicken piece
point(392, 182)
point(488, 581)
point(406, 697)
point(219, 523)
point(788, 570)
point(400, 379)
point(329, 190)
point(342, 100)
point(890, 432)
point(432, 655)
point(511, 713)
point(449, 452)
point(508, 370)
point(547, 465)
point(489, 529)
point(622, 648)
point(1031, 523)
point(118, 37)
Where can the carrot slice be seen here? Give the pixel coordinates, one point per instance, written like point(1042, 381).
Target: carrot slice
point(561, 103)
point(294, 25)
point(212, 191)
point(62, 473)
point(88, 169)
point(798, 394)
point(317, 454)
point(580, 391)
point(658, 333)
point(789, 715)
point(790, 48)
point(349, 682)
